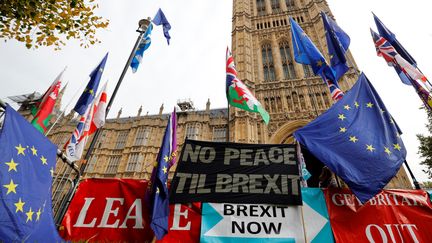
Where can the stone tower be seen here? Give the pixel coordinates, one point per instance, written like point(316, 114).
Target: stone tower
point(290, 92)
point(262, 49)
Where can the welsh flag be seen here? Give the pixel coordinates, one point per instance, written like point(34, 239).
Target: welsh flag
point(238, 94)
point(42, 113)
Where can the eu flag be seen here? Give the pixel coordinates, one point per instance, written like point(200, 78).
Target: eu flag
point(144, 45)
point(337, 43)
point(358, 140)
point(27, 161)
point(160, 19)
point(305, 52)
point(158, 193)
point(89, 93)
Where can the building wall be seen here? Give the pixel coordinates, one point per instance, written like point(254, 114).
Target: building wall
point(292, 99)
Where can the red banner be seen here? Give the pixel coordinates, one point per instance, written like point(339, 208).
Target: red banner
point(115, 210)
point(108, 210)
point(391, 216)
point(184, 223)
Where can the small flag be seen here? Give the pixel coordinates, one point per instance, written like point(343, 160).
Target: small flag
point(337, 42)
point(390, 37)
point(158, 186)
point(71, 147)
point(238, 94)
point(144, 45)
point(99, 110)
point(42, 115)
point(410, 73)
point(89, 93)
point(160, 19)
point(357, 139)
point(305, 52)
point(28, 162)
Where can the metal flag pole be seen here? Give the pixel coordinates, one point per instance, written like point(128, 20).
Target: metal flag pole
point(142, 27)
point(416, 184)
point(228, 123)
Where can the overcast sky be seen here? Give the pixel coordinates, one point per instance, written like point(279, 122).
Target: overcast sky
point(193, 65)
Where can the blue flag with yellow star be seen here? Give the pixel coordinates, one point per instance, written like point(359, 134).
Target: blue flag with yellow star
point(337, 44)
point(358, 140)
point(27, 161)
point(157, 194)
point(89, 93)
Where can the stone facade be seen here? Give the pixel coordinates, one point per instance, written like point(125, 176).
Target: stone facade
point(262, 50)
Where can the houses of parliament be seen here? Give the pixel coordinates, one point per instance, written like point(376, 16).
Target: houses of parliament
point(263, 53)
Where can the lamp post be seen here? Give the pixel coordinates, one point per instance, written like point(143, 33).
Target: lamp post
point(143, 24)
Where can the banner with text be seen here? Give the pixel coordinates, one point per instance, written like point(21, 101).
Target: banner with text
point(236, 173)
point(390, 216)
point(115, 210)
point(224, 222)
point(184, 223)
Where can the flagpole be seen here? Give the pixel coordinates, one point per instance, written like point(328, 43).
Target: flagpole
point(415, 182)
point(143, 25)
point(228, 123)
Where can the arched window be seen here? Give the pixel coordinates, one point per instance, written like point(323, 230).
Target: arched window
point(308, 72)
point(287, 61)
point(268, 66)
point(290, 4)
point(275, 6)
point(261, 10)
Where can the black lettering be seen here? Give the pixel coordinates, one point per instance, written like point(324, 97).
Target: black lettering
point(228, 209)
point(241, 228)
point(253, 212)
point(241, 208)
point(256, 231)
point(272, 227)
point(265, 211)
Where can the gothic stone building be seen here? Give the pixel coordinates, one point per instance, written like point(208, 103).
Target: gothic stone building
point(262, 49)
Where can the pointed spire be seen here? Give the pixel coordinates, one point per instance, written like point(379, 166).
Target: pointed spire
point(119, 113)
point(139, 111)
point(161, 109)
point(208, 105)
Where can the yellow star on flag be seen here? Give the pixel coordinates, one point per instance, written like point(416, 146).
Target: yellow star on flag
point(342, 129)
point(356, 104)
point(12, 165)
point(341, 117)
point(369, 105)
point(166, 158)
point(34, 150)
point(44, 160)
point(38, 213)
point(19, 206)
point(157, 190)
point(91, 92)
point(29, 215)
point(397, 146)
point(319, 63)
point(165, 170)
point(353, 139)
point(370, 147)
point(347, 107)
point(20, 149)
point(11, 187)
point(387, 150)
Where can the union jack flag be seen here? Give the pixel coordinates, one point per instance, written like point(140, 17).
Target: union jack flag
point(384, 49)
point(336, 93)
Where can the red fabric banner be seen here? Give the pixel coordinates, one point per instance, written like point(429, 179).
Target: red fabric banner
point(184, 223)
point(390, 216)
point(115, 210)
point(108, 210)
